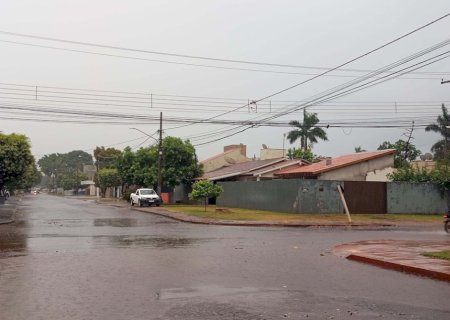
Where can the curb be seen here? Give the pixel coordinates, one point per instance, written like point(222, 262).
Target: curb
point(181, 217)
point(195, 220)
point(401, 267)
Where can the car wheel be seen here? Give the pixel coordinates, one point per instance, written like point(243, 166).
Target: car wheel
point(157, 204)
point(139, 203)
point(132, 203)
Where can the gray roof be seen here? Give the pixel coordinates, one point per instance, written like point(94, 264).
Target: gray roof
point(241, 169)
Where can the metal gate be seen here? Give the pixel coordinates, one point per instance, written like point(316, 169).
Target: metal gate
point(365, 197)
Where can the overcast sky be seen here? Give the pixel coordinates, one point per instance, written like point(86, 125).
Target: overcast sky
point(319, 34)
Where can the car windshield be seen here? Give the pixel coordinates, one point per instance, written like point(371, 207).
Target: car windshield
point(147, 191)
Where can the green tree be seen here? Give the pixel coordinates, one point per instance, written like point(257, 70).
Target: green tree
point(359, 149)
point(307, 154)
point(145, 167)
point(106, 157)
point(107, 177)
point(440, 175)
point(51, 164)
point(15, 159)
point(31, 178)
point(441, 147)
point(56, 165)
point(409, 174)
point(180, 163)
point(205, 189)
point(306, 131)
point(70, 180)
point(406, 152)
point(76, 159)
point(124, 165)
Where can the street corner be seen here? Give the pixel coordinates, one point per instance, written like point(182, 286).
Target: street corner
point(400, 255)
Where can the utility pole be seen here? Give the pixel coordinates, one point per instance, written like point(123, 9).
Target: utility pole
point(159, 189)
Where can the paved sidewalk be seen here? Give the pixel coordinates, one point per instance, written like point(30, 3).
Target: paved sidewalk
point(405, 256)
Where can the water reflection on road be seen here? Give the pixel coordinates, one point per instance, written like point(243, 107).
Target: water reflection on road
point(72, 259)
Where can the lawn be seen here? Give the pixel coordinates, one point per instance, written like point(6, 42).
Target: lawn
point(260, 215)
point(438, 254)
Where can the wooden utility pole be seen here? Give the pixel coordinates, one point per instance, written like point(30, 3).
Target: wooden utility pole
point(159, 189)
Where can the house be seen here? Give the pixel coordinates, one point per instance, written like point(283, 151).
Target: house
point(254, 170)
point(350, 167)
point(232, 154)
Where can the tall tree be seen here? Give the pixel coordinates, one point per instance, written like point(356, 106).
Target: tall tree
point(441, 147)
point(15, 158)
point(179, 164)
point(52, 164)
point(306, 131)
point(107, 177)
point(124, 165)
point(70, 180)
point(405, 150)
point(76, 159)
point(106, 157)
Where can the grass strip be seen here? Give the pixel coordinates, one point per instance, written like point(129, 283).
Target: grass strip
point(261, 215)
point(445, 255)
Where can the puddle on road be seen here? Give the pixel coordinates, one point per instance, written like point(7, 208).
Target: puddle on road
point(203, 291)
point(12, 244)
point(117, 222)
point(147, 242)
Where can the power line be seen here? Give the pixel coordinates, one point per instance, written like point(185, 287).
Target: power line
point(208, 66)
point(146, 96)
point(339, 66)
point(178, 55)
point(339, 88)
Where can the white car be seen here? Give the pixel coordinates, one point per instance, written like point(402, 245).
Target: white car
point(145, 196)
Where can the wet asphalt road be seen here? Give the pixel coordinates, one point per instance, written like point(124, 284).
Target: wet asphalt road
point(72, 259)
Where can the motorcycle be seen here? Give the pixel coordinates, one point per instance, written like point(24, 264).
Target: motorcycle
point(447, 222)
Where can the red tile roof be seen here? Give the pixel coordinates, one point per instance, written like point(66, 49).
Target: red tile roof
point(317, 168)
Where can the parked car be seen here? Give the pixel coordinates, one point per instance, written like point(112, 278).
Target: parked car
point(145, 196)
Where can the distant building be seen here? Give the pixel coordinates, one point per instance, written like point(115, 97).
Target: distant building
point(427, 165)
point(271, 153)
point(232, 154)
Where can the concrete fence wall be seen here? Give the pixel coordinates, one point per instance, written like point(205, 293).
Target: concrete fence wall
point(403, 197)
point(292, 196)
point(320, 196)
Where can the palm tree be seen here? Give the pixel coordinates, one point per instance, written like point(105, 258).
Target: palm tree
point(306, 131)
point(440, 148)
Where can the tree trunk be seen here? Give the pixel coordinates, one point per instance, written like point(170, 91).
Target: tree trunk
point(206, 200)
